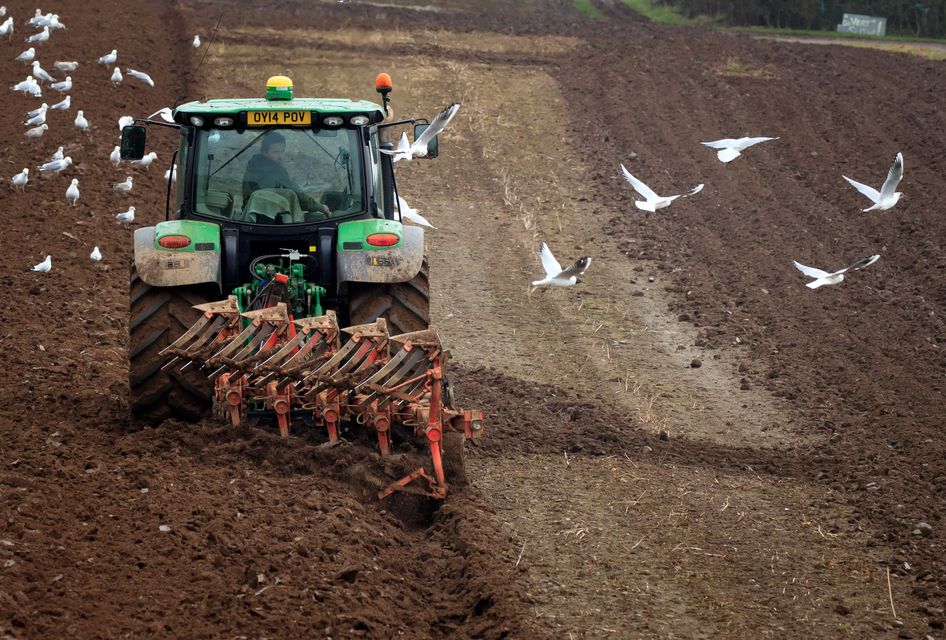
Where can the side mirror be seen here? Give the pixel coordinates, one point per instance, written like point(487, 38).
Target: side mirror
point(133, 142)
point(433, 149)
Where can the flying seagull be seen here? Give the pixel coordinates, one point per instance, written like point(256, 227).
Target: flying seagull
point(411, 215)
point(554, 274)
point(140, 75)
point(888, 195)
point(731, 148)
point(652, 201)
point(404, 151)
point(822, 278)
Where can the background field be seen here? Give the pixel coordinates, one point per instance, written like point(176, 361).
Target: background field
point(622, 491)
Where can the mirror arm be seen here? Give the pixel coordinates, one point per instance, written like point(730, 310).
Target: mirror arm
point(400, 122)
point(160, 124)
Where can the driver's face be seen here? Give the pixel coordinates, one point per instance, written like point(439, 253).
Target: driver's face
point(276, 152)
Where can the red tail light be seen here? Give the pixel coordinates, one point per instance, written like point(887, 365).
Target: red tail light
point(174, 242)
point(383, 239)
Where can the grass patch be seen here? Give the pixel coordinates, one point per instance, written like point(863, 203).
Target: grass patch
point(819, 33)
point(657, 12)
point(587, 8)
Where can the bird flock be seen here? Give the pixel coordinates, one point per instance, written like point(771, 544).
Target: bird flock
point(38, 121)
point(727, 150)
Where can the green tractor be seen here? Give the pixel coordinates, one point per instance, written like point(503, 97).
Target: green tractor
point(283, 286)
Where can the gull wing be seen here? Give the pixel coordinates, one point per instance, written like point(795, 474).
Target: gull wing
point(728, 154)
point(578, 269)
point(692, 192)
point(725, 143)
point(894, 176)
point(403, 146)
point(870, 192)
point(811, 272)
point(863, 263)
point(641, 188)
point(549, 263)
point(438, 124)
point(745, 143)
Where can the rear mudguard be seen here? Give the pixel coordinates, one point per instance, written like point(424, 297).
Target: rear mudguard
point(197, 263)
point(359, 261)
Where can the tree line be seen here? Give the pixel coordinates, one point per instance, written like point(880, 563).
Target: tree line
point(925, 18)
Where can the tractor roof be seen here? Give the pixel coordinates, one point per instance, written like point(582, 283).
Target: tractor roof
point(323, 106)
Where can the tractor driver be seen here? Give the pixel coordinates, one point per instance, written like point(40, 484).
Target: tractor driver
point(266, 170)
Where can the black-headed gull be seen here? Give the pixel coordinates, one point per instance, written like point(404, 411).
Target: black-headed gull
point(44, 266)
point(38, 110)
point(126, 216)
point(81, 122)
point(42, 36)
point(822, 278)
point(37, 119)
point(145, 160)
point(56, 166)
point(554, 274)
point(140, 75)
point(419, 148)
point(411, 215)
point(731, 148)
point(888, 194)
point(63, 86)
point(20, 179)
point(36, 132)
point(165, 113)
point(123, 186)
point(652, 201)
point(72, 193)
point(40, 74)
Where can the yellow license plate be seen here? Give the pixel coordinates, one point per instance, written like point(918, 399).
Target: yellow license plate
point(278, 118)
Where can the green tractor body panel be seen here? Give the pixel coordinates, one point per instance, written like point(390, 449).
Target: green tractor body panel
point(353, 236)
point(160, 267)
point(202, 236)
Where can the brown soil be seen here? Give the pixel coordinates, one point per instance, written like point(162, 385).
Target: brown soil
point(621, 492)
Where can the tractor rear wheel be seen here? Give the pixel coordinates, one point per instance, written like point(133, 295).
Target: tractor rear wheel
point(405, 305)
point(158, 316)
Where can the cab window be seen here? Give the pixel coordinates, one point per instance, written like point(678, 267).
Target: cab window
point(278, 176)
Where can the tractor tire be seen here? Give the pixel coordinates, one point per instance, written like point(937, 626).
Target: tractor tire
point(405, 305)
point(158, 316)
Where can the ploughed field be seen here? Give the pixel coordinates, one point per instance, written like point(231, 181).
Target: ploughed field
point(689, 443)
